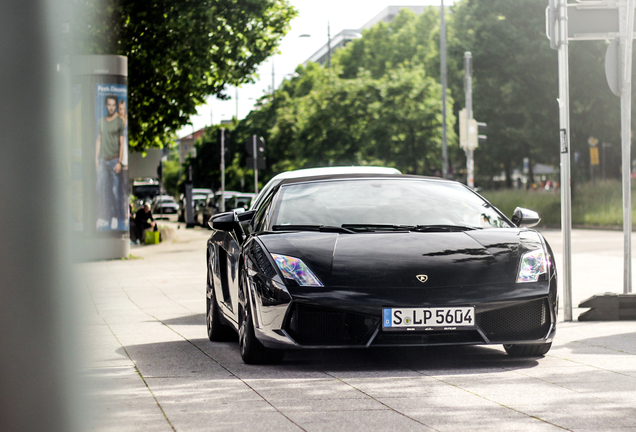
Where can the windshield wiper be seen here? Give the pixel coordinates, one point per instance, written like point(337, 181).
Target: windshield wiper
point(378, 227)
point(321, 228)
point(442, 228)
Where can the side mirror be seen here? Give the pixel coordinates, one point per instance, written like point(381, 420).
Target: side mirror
point(223, 221)
point(229, 221)
point(525, 218)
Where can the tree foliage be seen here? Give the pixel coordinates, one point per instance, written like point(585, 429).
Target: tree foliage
point(180, 52)
point(374, 106)
point(514, 79)
point(380, 102)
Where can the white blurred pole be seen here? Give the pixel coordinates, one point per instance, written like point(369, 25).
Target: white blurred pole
point(222, 169)
point(38, 356)
point(255, 165)
point(564, 126)
point(470, 165)
point(625, 74)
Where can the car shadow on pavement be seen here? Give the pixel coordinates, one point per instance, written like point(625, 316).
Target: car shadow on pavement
point(443, 358)
point(195, 319)
point(200, 356)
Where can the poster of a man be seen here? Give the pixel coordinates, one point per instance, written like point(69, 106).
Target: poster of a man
point(111, 158)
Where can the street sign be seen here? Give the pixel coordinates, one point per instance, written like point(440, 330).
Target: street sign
point(611, 67)
point(594, 156)
point(593, 22)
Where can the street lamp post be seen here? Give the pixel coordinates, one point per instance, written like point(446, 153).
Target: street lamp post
point(443, 73)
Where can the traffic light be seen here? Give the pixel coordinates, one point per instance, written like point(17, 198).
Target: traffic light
point(260, 145)
point(481, 132)
point(463, 129)
point(471, 132)
point(260, 152)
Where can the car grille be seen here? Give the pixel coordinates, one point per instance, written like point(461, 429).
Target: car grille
point(526, 321)
point(311, 325)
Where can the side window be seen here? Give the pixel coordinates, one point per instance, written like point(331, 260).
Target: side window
point(261, 218)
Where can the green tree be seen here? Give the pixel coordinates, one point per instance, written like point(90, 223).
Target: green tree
point(378, 104)
point(180, 52)
point(514, 80)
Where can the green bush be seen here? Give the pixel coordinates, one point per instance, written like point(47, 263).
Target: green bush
point(546, 203)
point(595, 204)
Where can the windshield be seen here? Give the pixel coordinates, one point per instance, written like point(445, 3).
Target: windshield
point(383, 202)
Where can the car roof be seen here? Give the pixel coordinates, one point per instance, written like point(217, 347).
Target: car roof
point(313, 172)
point(362, 176)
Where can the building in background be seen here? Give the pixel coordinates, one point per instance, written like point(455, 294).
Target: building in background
point(322, 55)
point(186, 145)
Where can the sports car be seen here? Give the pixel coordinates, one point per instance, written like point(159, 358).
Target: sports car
point(378, 260)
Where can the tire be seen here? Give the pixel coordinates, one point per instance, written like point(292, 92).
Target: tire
point(217, 331)
point(252, 350)
point(530, 350)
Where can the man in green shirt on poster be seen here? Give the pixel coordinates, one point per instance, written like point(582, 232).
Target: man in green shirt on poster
point(109, 152)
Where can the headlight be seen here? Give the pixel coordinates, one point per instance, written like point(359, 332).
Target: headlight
point(295, 269)
point(533, 264)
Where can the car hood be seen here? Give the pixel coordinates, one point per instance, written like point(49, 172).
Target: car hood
point(396, 259)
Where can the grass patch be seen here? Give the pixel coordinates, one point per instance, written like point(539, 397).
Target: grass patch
point(131, 257)
point(598, 204)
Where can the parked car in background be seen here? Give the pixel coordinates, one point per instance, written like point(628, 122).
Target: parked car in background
point(204, 210)
point(238, 200)
point(145, 189)
point(164, 205)
point(198, 195)
point(212, 204)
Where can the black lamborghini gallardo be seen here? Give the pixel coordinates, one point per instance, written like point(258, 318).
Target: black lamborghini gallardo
point(367, 259)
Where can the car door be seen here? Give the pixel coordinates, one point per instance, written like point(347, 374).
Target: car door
point(228, 255)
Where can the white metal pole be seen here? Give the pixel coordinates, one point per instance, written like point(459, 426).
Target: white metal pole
point(627, 22)
point(222, 169)
point(564, 125)
point(444, 85)
point(255, 165)
point(328, 44)
point(470, 165)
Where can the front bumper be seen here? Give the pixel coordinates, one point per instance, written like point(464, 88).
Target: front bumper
point(330, 318)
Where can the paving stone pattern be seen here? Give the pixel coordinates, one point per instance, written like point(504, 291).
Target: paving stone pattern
point(150, 367)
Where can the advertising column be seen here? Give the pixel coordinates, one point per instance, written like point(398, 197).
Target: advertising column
point(100, 208)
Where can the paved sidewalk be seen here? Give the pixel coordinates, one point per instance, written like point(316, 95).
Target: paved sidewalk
point(150, 366)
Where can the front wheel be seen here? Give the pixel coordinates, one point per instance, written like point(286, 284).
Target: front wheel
point(529, 350)
point(252, 350)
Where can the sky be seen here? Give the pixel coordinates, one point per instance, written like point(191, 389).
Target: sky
point(313, 19)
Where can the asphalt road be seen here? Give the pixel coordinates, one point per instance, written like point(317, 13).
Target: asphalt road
point(149, 366)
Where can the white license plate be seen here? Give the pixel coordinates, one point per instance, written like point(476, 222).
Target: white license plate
point(449, 318)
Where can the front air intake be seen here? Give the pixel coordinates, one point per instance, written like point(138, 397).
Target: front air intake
point(527, 321)
point(312, 325)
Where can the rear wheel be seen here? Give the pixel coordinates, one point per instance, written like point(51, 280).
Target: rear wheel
point(252, 350)
point(529, 350)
